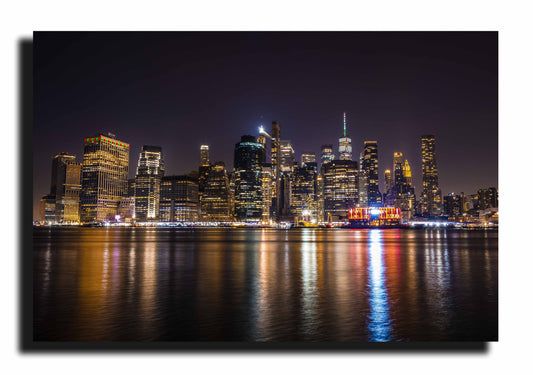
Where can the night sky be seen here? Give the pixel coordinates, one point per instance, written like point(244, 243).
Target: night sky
point(182, 90)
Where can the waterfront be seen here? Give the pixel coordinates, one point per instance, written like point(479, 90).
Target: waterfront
point(119, 284)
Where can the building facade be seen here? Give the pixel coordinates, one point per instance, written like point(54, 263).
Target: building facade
point(326, 154)
point(304, 188)
point(65, 187)
point(104, 177)
point(179, 200)
point(248, 182)
point(341, 190)
point(431, 197)
point(150, 170)
point(217, 202)
point(370, 173)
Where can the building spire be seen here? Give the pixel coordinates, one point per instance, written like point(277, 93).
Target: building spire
point(344, 124)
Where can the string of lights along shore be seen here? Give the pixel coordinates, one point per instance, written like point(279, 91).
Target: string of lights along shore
point(331, 189)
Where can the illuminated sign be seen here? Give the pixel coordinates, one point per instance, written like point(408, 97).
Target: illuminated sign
point(375, 213)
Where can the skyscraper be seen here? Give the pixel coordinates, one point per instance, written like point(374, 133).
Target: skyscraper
point(216, 198)
point(369, 170)
point(65, 187)
point(204, 155)
point(104, 177)
point(287, 156)
point(397, 168)
point(303, 191)
point(341, 191)
point(326, 154)
point(388, 181)
point(179, 199)
point(266, 182)
point(150, 170)
point(248, 182)
point(345, 144)
point(276, 172)
point(402, 194)
point(431, 197)
point(203, 170)
point(308, 157)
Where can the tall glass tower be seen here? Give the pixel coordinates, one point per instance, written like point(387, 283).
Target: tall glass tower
point(150, 170)
point(248, 167)
point(431, 198)
point(369, 170)
point(345, 144)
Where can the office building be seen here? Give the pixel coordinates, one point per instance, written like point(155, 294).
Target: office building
point(388, 181)
point(179, 199)
point(47, 209)
point(453, 205)
point(65, 187)
point(276, 172)
point(150, 170)
point(431, 198)
point(303, 193)
point(341, 190)
point(126, 209)
point(308, 157)
point(287, 157)
point(248, 182)
point(370, 173)
point(217, 202)
point(204, 155)
point(266, 183)
point(104, 177)
point(486, 198)
point(326, 154)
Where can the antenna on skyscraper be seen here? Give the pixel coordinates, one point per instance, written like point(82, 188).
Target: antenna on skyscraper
point(344, 124)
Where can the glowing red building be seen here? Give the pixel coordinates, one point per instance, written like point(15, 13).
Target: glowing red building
point(375, 216)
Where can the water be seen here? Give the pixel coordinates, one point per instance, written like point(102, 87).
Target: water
point(119, 284)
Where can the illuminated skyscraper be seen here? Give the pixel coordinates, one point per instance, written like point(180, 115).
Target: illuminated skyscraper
point(369, 170)
point(397, 168)
point(341, 191)
point(407, 173)
point(203, 170)
point(303, 191)
point(266, 182)
point(150, 170)
point(179, 199)
point(308, 157)
point(287, 156)
point(276, 172)
point(248, 182)
point(402, 194)
point(204, 155)
point(431, 197)
point(345, 144)
point(104, 177)
point(326, 154)
point(65, 187)
point(388, 181)
point(217, 197)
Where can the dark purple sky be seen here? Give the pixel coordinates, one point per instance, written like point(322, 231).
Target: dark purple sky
point(181, 90)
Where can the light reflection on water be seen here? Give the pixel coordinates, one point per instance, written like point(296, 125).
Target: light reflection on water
point(93, 284)
point(379, 324)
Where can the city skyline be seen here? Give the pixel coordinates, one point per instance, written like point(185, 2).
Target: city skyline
point(458, 156)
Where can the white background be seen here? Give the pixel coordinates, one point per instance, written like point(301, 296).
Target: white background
point(512, 354)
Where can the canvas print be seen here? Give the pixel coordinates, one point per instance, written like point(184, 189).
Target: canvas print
point(265, 187)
